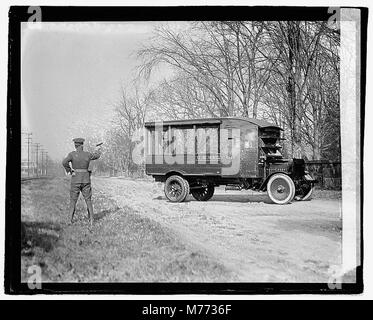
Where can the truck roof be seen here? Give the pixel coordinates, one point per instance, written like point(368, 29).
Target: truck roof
point(258, 122)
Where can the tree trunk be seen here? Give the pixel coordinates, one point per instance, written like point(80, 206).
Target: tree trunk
point(293, 69)
point(255, 109)
point(316, 150)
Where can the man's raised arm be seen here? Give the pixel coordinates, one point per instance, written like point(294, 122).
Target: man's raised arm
point(97, 152)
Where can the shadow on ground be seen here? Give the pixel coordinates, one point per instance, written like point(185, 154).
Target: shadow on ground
point(243, 198)
point(38, 234)
point(102, 214)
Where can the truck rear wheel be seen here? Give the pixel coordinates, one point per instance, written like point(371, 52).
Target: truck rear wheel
point(176, 188)
point(203, 193)
point(281, 188)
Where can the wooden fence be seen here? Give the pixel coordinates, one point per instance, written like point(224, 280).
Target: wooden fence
point(328, 173)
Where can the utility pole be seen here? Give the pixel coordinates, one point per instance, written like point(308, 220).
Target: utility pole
point(42, 162)
point(46, 163)
point(29, 139)
point(37, 158)
point(293, 31)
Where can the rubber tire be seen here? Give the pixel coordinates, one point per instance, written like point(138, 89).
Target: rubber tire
point(290, 184)
point(184, 188)
point(187, 188)
point(205, 197)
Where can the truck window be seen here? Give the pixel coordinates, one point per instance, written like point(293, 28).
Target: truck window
point(174, 141)
point(207, 144)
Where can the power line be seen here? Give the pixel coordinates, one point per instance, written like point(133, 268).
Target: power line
point(37, 157)
point(37, 145)
point(29, 139)
point(43, 162)
point(46, 163)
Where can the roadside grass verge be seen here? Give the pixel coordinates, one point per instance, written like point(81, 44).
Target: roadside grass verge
point(121, 247)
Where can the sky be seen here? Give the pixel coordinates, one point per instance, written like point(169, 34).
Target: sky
point(71, 77)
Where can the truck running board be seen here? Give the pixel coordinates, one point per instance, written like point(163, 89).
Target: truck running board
point(233, 187)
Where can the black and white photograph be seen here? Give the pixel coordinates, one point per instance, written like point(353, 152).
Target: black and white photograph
point(169, 149)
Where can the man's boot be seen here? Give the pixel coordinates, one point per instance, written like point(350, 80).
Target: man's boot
point(90, 211)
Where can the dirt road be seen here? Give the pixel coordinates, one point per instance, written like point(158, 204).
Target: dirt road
point(243, 230)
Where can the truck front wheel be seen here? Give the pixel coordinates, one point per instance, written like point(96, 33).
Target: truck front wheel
point(281, 188)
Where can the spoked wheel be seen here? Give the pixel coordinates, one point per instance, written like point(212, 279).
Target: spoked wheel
point(281, 188)
point(203, 193)
point(176, 189)
point(303, 191)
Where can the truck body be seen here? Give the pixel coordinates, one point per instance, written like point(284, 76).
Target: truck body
point(194, 156)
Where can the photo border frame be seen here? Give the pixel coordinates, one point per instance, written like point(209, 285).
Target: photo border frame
point(18, 14)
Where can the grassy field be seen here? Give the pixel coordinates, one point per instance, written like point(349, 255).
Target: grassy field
point(122, 246)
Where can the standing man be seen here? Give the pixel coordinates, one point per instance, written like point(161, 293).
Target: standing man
point(80, 176)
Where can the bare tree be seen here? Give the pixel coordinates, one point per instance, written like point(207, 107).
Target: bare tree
point(130, 112)
point(284, 71)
